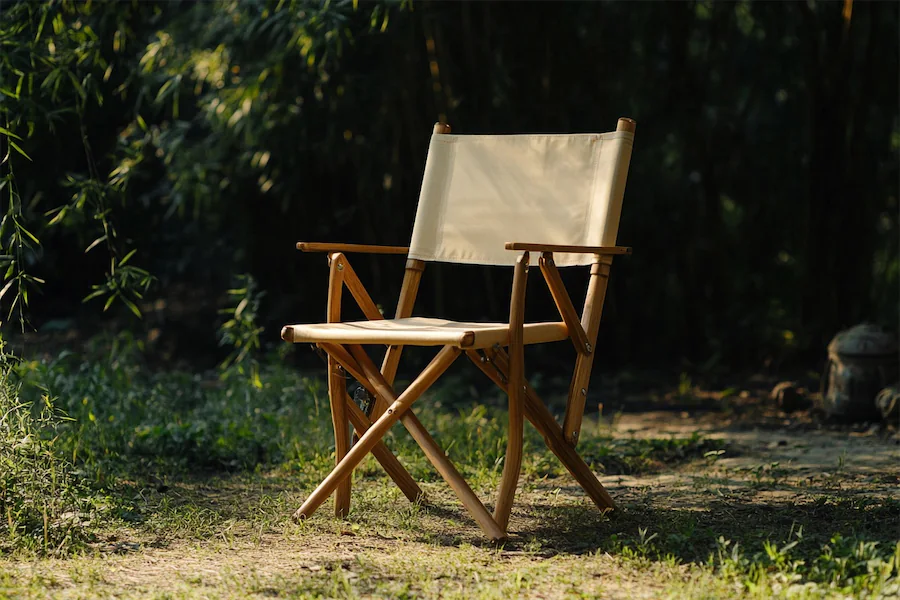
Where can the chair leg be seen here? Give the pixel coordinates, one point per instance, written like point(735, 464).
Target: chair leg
point(536, 412)
point(337, 392)
point(383, 455)
point(512, 463)
point(432, 450)
point(373, 435)
point(547, 426)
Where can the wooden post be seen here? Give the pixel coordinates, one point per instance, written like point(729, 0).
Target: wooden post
point(564, 304)
point(441, 128)
point(407, 300)
point(512, 463)
point(337, 388)
point(408, 293)
point(590, 320)
point(626, 124)
point(359, 292)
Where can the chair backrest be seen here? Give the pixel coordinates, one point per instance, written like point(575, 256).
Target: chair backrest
point(481, 191)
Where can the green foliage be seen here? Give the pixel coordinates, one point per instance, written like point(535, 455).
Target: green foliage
point(843, 566)
point(55, 67)
point(43, 507)
point(241, 330)
point(127, 421)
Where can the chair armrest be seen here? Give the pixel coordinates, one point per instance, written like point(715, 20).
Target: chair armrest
point(601, 250)
point(337, 247)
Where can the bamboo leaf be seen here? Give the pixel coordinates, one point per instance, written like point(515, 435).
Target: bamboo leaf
point(6, 288)
point(28, 233)
point(18, 149)
point(132, 306)
point(93, 295)
point(127, 256)
point(94, 243)
point(9, 133)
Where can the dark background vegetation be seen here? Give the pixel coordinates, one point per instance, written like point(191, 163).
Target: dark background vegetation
point(209, 137)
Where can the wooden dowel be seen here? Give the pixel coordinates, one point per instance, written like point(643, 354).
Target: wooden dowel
point(441, 128)
point(626, 124)
point(598, 250)
point(337, 388)
point(374, 434)
point(538, 415)
point(357, 289)
point(338, 247)
point(408, 292)
point(432, 450)
point(564, 304)
point(512, 463)
point(383, 454)
point(590, 320)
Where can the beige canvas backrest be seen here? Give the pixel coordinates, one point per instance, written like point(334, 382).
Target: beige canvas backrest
point(481, 191)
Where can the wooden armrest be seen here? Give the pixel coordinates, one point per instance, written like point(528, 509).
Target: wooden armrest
point(602, 250)
point(364, 248)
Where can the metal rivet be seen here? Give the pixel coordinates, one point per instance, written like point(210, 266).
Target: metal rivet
point(588, 348)
point(583, 392)
point(340, 266)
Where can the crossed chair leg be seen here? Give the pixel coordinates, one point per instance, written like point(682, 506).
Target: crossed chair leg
point(524, 402)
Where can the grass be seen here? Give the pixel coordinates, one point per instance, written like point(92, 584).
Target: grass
point(175, 485)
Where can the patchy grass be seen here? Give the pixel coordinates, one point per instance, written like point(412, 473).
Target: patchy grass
point(230, 537)
point(197, 477)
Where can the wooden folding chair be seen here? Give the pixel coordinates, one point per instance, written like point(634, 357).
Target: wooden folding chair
point(558, 195)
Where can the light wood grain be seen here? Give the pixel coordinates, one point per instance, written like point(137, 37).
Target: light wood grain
point(538, 415)
point(626, 124)
point(512, 462)
point(432, 450)
point(374, 434)
point(341, 247)
point(383, 455)
point(537, 247)
point(408, 292)
point(564, 304)
point(337, 389)
point(590, 320)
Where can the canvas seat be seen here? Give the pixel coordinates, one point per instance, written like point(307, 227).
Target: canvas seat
point(485, 200)
point(420, 331)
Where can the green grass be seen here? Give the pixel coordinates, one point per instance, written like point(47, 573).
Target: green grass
point(141, 484)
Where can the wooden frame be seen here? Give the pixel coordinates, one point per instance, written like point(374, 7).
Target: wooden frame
point(363, 248)
point(504, 367)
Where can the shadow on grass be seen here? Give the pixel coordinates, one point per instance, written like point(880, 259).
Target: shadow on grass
point(691, 534)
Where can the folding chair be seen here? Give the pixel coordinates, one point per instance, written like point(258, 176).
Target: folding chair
point(557, 195)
